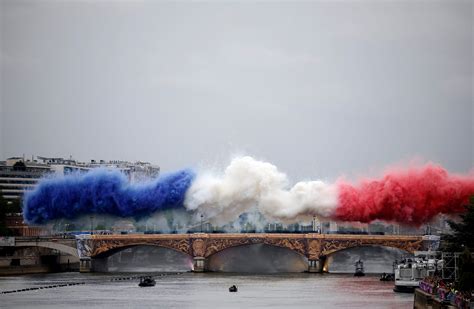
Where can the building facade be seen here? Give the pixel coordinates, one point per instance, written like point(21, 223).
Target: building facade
point(19, 175)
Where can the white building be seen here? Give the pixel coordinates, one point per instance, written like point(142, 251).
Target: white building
point(18, 174)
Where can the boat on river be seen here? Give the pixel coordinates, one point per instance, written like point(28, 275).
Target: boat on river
point(147, 281)
point(410, 271)
point(359, 271)
point(387, 277)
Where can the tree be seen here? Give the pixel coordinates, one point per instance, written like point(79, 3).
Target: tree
point(463, 232)
point(466, 272)
point(462, 240)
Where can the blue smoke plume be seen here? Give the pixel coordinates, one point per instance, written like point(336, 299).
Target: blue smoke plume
point(102, 191)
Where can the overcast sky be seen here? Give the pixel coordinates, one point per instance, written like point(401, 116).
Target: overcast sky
point(317, 88)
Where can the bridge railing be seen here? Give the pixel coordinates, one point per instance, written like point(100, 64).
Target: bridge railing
point(42, 238)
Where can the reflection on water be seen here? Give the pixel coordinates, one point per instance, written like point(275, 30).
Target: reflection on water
point(208, 290)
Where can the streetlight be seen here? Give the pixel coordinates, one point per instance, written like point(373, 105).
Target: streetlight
point(66, 231)
point(92, 230)
point(201, 221)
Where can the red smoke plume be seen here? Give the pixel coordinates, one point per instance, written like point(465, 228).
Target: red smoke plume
point(411, 197)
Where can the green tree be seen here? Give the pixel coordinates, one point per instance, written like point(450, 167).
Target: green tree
point(462, 240)
point(466, 272)
point(462, 236)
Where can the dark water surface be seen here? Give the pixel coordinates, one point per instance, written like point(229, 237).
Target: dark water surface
point(208, 290)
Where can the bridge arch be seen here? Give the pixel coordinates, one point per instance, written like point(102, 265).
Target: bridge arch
point(50, 245)
point(264, 244)
point(376, 258)
point(105, 248)
point(138, 257)
point(215, 246)
point(365, 246)
point(257, 258)
point(333, 251)
point(116, 249)
point(330, 247)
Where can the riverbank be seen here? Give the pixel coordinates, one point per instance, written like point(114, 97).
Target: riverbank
point(38, 269)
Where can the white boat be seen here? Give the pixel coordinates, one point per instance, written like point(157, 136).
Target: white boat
point(412, 270)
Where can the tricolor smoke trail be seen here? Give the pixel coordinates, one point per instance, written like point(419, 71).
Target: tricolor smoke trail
point(408, 196)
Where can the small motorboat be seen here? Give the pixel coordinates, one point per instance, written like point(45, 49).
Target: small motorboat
point(147, 281)
point(387, 277)
point(233, 289)
point(359, 271)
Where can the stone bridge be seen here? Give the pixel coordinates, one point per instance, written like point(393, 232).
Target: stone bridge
point(26, 254)
point(94, 250)
point(63, 245)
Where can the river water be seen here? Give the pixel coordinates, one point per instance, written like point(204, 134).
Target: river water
point(204, 290)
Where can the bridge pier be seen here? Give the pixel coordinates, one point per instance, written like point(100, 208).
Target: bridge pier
point(88, 265)
point(199, 264)
point(316, 265)
point(85, 265)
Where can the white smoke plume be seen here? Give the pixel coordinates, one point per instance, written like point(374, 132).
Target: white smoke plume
point(248, 185)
